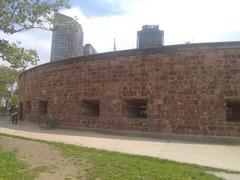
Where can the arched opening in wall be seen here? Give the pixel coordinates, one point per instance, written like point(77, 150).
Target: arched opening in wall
point(136, 108)
point(90, 108)
point(233, 111)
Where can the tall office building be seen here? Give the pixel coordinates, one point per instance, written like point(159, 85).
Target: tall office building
point(150, 36)
point(88, 49)
point(67, 38)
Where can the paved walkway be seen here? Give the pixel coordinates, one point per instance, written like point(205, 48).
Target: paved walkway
point(218, 156)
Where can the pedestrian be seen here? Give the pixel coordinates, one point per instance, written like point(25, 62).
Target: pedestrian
point(14, 115)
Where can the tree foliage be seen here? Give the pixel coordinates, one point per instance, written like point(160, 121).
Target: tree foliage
point(22, 15)
point(13, 101)
point(8, 76)
point(17, 16)
point(18, 57)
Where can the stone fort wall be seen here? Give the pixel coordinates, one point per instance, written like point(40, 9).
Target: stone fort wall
point(181, 89)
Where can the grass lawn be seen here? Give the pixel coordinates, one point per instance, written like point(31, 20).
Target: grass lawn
point(100, 164)
point(11, 168)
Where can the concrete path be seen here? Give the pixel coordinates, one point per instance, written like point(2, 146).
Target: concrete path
point(218, 156)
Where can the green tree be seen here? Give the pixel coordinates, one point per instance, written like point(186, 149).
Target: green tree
point(22, 15)
point(8, 77)
point(14, 99)
point(17, 16)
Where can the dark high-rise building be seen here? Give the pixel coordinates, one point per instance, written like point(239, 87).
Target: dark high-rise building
point(150, 36)
point(88, 49)
point(67, 38)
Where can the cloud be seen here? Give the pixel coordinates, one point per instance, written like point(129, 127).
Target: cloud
point(39, 40)
point(186, 20)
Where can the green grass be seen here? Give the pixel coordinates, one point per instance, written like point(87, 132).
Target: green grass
point(12, 168)
point(100, 164)
point(112, 165)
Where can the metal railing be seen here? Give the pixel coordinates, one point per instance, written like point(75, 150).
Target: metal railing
point(232, 114)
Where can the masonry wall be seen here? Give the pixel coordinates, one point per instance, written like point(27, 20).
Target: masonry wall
point(186, 91)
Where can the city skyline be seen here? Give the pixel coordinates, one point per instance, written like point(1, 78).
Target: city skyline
point(181, 21)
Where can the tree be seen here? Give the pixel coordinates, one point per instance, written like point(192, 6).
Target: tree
point(22, 15)
point(17, 16)
point(13, 101)
point(17, 56)
point(8, 77)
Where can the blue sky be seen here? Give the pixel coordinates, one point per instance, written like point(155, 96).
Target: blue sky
point(95, 8)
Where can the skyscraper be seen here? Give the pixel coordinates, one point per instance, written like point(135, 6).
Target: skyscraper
point(150, 36)
point(67, 38)
point(88, 49)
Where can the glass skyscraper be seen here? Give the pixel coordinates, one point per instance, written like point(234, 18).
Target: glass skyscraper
point(67, 38)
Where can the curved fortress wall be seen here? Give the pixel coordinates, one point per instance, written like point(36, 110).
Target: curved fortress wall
point(185, 89)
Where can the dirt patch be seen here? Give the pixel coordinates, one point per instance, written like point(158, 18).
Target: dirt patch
point(35, 154)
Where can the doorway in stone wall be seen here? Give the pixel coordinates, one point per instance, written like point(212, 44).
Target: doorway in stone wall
point(43, 107)
point(44, 121)
point(20, 111)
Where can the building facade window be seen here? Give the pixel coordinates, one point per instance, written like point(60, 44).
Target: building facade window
point(136, 108)
point(90, 108)
point(233, 111)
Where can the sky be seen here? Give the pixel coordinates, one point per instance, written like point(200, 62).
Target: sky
point(103, 20)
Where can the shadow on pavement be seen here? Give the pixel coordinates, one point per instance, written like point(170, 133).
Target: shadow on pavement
point(115, 134)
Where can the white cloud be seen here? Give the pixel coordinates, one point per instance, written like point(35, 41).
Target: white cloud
point(39, 40)
point(186, 20)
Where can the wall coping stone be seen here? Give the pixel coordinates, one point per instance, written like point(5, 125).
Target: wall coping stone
point(146, 51)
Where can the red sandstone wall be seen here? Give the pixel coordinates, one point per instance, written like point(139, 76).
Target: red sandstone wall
point(185, 91)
